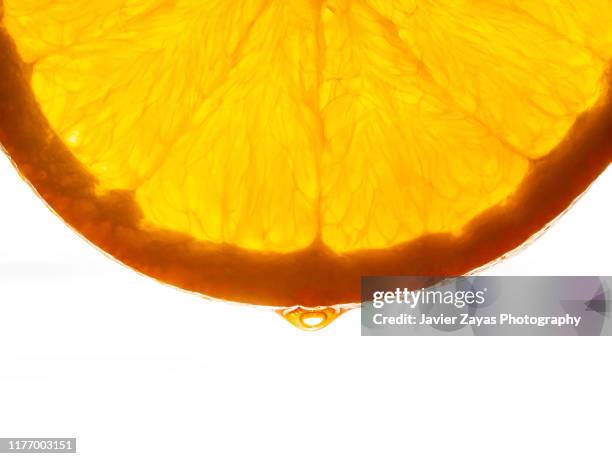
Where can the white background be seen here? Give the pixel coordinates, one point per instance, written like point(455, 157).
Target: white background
point(136, 369)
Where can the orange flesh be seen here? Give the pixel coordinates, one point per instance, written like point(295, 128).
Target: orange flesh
point(315, 257)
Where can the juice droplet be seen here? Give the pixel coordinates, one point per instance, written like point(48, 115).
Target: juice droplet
point(311, 319)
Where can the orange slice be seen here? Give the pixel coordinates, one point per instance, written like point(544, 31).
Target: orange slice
point(273, 152)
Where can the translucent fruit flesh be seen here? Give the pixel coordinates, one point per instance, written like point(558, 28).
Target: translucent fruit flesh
point(274, 151)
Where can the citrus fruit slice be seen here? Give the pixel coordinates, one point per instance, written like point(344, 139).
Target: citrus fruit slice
point(273, 152)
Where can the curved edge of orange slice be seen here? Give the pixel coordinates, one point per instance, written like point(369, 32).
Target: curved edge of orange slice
point(315, 276)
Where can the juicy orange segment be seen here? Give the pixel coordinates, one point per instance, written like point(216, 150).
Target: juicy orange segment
point(275, 126)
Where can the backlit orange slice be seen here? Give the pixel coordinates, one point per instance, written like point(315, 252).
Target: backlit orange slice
point(274, 151)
